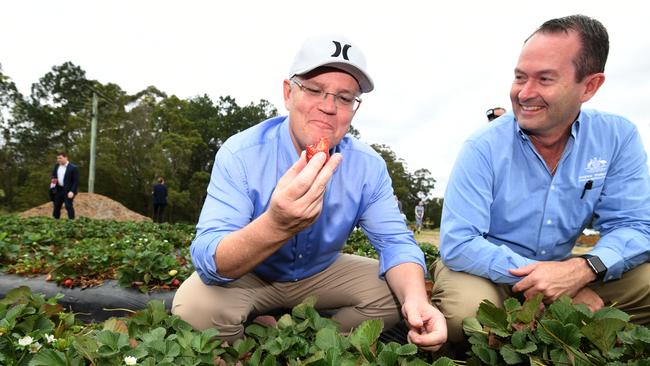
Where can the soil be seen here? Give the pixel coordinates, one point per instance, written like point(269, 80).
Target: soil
point(91, 205)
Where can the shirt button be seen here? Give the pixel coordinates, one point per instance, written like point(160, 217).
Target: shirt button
point(299, 255)
point(543, 252)
point(552, 188)
point(549, 221)
point(295, 280)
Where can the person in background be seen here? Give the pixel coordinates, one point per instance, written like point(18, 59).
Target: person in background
point(494, 113)
point(523, 189)
point(159, 195)
point(419, 216)
point(65, 177)
point(273, 224)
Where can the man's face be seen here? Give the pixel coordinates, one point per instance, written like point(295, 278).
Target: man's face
point(545, 97)
point(314, 117)
point(62, 160)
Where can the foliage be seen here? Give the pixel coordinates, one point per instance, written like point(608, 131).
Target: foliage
point(359, 244)
point(565, 333)
point(84, 252)
point(35, 331)
point(143, 255)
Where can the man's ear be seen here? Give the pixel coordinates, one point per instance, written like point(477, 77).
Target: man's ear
point(592, 84)
point(286, 92)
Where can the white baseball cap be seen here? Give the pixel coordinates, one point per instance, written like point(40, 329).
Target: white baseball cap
point(332, 51)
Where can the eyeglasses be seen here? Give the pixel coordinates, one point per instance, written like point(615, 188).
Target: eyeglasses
point(345, 101)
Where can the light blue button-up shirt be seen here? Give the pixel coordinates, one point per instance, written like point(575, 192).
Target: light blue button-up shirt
point(504, 209)
point(246, 171)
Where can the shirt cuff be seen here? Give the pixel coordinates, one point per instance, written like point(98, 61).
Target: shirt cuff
point(612, 260)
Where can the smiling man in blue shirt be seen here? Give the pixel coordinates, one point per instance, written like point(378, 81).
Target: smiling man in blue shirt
point(273, 224)
point(524, 187)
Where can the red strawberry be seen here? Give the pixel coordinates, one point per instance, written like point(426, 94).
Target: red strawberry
point(322, 145)
point(68, 282)
point(175, 282)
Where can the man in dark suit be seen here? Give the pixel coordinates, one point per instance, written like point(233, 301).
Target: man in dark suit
point(66, 175)
point(159, 200)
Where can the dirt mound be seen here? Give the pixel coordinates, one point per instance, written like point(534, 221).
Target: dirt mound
point(90, 205)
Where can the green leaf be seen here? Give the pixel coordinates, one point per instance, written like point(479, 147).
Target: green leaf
point(256, 330)
point(637, 333)
point(85, 345)
point(602, 332)
point(407, 350)
point(472, 325)
point(300, 310)
point(387, 358)
point(48, 357)
point(521, 343)
point(285, 321)
point(611, 313)
point(244, 345)
point(444, 361)
point(114, 341)
point(559, 357)
point(365, 335)
point(494, 317)
point(327, 338)
point(510, 355)
point(487, 355)
point(562, 309)
point(511, 304)
point(529, 309)
point(554, 332)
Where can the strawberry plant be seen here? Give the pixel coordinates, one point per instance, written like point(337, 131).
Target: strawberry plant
point(563, 334)
point(35, 331)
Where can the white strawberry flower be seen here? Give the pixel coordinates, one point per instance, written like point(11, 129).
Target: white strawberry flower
point(25, 341)
point(49, 338)
point(130, 360)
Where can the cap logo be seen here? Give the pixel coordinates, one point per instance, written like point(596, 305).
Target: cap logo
point(339, 50)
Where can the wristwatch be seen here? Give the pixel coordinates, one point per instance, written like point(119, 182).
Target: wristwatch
point(597, 266)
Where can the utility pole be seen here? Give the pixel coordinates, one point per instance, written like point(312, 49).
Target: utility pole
point(93, 139)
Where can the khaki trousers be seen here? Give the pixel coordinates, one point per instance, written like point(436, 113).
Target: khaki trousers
point(351, 286)
point(459, 294)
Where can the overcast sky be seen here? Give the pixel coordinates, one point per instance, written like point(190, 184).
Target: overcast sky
point(437, 66)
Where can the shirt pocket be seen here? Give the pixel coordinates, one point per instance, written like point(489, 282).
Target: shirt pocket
point(580, 201)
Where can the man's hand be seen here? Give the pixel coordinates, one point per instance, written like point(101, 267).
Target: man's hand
point(427, 325)
point(70, 195)
point(590, 298)
point(295, 204)
point(553, 279)
point(298, 197)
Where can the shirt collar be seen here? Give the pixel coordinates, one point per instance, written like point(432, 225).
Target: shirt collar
point(575, 128)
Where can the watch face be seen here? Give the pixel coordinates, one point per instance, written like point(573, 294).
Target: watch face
point(597, 265)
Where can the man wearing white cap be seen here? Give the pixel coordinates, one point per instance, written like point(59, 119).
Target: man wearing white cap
point(274, 222)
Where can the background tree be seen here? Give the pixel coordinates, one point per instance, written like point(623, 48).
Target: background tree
point(140, 137)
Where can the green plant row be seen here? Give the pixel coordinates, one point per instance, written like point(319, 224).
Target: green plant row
point(36, 331)
point(562, 334)
point(144, 255)
point(84, 252)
